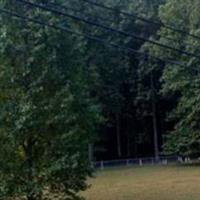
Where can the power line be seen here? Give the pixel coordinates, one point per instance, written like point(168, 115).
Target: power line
point(40, 6)
point(133, 15)
point(176, 40)
point(93, 38)
point(104, 19)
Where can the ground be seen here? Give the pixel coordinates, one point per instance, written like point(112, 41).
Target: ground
point(146, 183)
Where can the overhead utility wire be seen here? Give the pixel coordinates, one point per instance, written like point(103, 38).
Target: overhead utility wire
point(104, 19)
point(136, 16)
point(89, 37)
point(110, 29)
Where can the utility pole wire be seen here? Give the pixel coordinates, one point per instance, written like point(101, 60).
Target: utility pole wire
point(89, 37)
point(103, 19)
point(136, 16)
point(110, 29)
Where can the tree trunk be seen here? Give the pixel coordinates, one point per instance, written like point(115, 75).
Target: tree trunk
point(91, 152)
point(128, 145)
point(154, 118)
point(155, 130)
point(28, 149)
point(129, 128)
point(28, 145)
point(119, 153)
point(31, 197)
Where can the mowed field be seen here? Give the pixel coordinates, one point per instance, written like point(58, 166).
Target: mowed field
point(146, 183)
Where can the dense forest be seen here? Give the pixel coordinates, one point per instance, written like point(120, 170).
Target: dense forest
point(149, 106)
point(101, 80)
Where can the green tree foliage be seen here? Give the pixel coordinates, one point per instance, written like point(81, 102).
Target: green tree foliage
point(121, 81)
point(52, 86)
point(47, 116)
point(182, 82)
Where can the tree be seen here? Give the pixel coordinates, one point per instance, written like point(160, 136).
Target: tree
point(47, 115)
point(182, 82)
point(118, 75)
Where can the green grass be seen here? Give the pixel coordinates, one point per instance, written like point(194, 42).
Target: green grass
point(146, 183)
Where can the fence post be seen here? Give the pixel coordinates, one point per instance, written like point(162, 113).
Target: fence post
point(92, 164)
point(152, 161)
point(180, 159)
point(165, 162)
point(102, 165)
point(186, 160)
point(140, 162)
point(127, 162)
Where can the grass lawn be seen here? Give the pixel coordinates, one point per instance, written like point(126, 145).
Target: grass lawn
point(146, 183)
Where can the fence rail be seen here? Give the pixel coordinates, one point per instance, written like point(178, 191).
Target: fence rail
point(164, 160)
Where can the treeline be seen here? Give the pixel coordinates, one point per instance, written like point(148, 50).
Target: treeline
point(150, 106)
point(80, 80)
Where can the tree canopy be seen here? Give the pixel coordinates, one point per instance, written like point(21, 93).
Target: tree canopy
point(89, 75)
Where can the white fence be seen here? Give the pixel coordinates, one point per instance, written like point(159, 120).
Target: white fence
point(164, 160)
